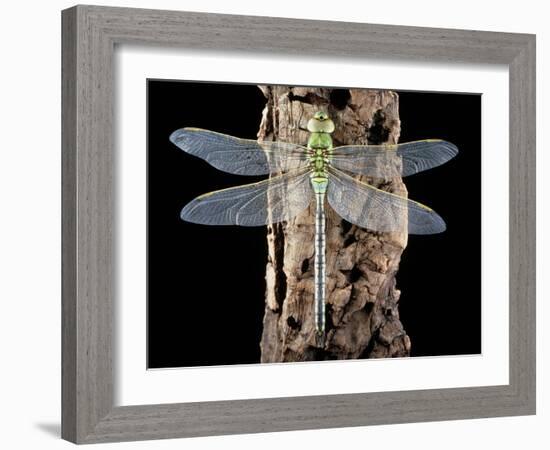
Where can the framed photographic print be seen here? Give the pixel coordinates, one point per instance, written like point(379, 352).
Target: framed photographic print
point(341, 230)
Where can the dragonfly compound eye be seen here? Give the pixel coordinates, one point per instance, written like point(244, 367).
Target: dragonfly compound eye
point(320, 123)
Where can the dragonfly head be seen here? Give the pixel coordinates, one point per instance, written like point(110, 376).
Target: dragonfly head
point(320, 123)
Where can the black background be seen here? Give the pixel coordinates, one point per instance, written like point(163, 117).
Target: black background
point(206, 283)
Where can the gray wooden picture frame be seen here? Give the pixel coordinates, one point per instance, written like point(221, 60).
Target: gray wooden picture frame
point(90, 34)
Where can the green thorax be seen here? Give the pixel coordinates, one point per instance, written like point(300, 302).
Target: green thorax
point(320, 147)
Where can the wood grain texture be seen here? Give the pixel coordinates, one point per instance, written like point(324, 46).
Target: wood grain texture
point(89, 36)
point(68, 224)
point(87, 241)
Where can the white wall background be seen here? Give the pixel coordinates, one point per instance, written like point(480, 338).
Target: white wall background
point(30, 222)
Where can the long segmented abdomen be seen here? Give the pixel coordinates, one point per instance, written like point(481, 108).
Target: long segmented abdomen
point(320, 264)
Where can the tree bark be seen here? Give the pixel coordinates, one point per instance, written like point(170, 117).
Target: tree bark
point(362, 299)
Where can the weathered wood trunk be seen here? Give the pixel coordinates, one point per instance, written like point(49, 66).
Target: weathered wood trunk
point(362, 300)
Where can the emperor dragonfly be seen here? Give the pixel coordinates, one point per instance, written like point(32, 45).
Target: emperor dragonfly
point(298, 173)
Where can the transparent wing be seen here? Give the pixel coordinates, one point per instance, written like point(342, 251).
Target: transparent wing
point(269, 201)
point(377, 210)
point(240, 156)
point(396, 160)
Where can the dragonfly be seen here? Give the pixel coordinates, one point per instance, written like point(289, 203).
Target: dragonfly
point(300, 174)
